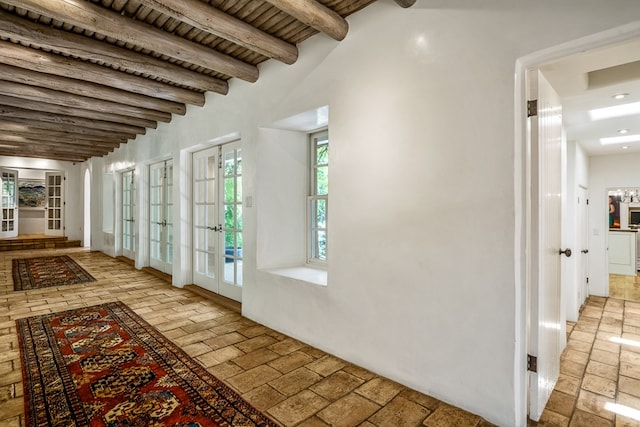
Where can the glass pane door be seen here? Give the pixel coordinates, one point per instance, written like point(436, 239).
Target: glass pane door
point(9, 211)
point(206, 226)
point(217, 210)
point(161, 216)
point(128, 211)
point(232, 208)
point(54, 223)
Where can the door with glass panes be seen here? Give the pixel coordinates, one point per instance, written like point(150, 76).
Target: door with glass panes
point(217, 188)
point(161, 216)
point(54, 188)
point(128, 215)
point(9, 210)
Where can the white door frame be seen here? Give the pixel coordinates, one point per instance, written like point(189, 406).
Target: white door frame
point(11, 223)
point(521, 178)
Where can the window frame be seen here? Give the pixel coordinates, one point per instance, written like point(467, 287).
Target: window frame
point(312, 230)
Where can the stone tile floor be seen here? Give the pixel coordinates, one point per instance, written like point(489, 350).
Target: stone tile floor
point(624, 287)
point(293, 383)
point(599, 382)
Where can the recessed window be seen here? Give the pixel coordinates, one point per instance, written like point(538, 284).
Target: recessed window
point(318, 201)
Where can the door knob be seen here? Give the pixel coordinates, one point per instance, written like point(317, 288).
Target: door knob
point(567, 252)
point(585, 251)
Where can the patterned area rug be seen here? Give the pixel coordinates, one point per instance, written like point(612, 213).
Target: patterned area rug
point(44, 272)
point(106, 366)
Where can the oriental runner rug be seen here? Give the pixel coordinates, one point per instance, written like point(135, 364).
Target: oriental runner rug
point(44, 272)
point(105, 366)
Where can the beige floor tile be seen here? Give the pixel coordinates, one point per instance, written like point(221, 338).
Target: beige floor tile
point(586, 419)
point(264, 397)
point(253, 378)
point(447, 416)
point(295, 381)
point(298, 408)
point(326, 365)
point(291, 361)
point(336, 385)
point(599, 385)
point(569, 385)
point(379, 390)
point(595, 404)
point(561, 403)
point(351, 410)
point(552, 419)
point(602, 370)
point(255, 358)
point(400, 412)
point(629, 386)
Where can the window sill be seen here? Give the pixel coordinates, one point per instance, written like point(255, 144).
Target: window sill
point(311, 275)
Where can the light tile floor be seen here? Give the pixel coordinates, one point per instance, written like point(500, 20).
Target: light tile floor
point(600, 368)
point(624, 287)
point(295, 384)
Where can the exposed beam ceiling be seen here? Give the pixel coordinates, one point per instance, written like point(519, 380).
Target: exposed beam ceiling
point(80, 77)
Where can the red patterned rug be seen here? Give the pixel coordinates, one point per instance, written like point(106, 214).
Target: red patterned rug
point(44, 272)
point(106, 366)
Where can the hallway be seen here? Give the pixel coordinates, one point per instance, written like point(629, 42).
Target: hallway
point(599, 381)
point(295, 384)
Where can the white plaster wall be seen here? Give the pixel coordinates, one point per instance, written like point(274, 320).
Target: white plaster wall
point(422, 283)
point(605, 172)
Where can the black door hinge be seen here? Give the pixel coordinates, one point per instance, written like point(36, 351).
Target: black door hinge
point(532, 108)
point(532, 363)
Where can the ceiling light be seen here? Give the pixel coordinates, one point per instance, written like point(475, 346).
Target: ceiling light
point(615, 111)
point(619, 139)
point(623, 131)
point(624, 147)
point(620, 95)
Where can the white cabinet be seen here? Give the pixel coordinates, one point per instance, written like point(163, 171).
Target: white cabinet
point(622, 252)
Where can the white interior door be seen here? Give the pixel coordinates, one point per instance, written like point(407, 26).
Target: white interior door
point(583, 242)
point(54, 224)
point(545, 132)
point(161, 216)
point(218, 240)
point(128, 212)
point(9, 211)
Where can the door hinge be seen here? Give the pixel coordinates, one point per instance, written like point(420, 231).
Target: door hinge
point(587, 201)
point(532, 108)
point(587, 280)
point(532, 363)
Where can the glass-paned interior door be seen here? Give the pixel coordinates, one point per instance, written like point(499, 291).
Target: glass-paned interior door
point(205, 225)
point(231, 193)
point(161, 216)
point(54, 223)
point(217, 188)
point(9, 211)
point(128, 219)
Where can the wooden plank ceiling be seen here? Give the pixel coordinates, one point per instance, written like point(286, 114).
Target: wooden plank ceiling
point(80, 77)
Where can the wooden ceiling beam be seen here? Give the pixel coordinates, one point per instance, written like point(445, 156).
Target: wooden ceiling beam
point(91, 90)
point(24, 142)
point(14, 112)
point(50, 63)
point(316, 15)
point(39, 94)
point(44, 137)
point(106, 22)
point(211, 20)
point(75, 112)
point(69, 43)
point(74, 131)
point(14, 152)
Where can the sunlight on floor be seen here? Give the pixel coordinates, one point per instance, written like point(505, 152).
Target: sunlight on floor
point(623, 410)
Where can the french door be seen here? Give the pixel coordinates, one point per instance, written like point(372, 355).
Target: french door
point(128, 215)
point(9, 209)
point(161, 216)
point(54, 188)
point(217, 230)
